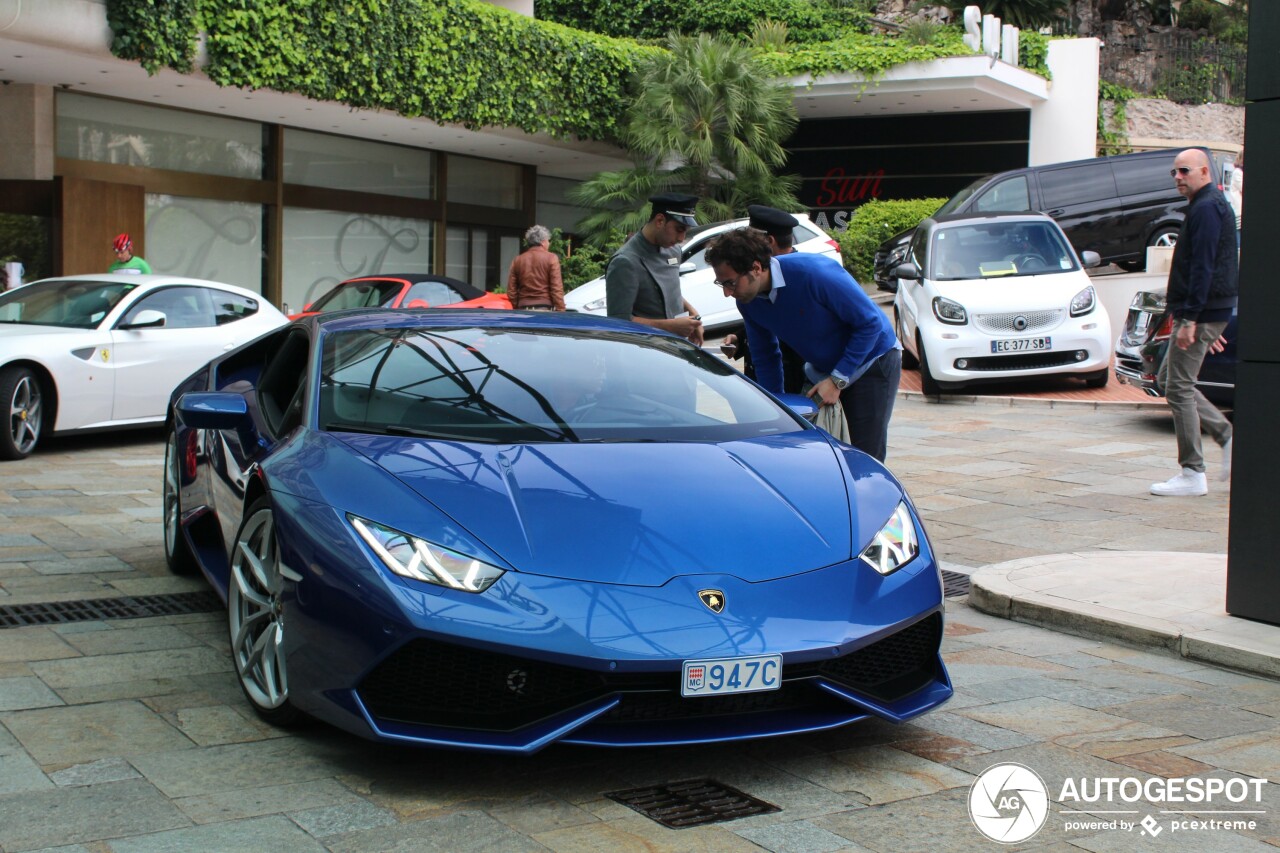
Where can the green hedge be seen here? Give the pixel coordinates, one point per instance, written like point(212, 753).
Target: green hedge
point(806, 21)
point(461, 61)
point(873, 223)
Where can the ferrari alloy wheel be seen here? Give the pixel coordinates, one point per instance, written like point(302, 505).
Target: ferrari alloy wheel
point(176, 552)
point(24, 401)
point(256, 616)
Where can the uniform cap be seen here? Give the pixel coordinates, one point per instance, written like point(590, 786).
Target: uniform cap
point(677, 206)
point(770, 220)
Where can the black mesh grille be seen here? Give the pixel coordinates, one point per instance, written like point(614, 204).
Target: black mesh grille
point(893, 667)
point(1026, 361)
point(694, 802)
point(440, 684)
point(670, 705)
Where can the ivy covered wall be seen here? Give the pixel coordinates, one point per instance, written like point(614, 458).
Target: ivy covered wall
point(468, 62)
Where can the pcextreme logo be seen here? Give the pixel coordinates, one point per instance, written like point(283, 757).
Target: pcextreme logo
point(1008, 803)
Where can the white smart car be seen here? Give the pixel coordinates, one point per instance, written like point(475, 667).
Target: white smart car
point(997, 297)
point(98, 352)
point(697, 279)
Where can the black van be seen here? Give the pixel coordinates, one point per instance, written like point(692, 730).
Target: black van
point(1115, 206)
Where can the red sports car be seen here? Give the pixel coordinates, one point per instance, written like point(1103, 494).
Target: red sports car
point(403, 290)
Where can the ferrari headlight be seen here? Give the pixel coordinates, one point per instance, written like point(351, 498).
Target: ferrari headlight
point(420, 560)
point(596, 304)
point(895, 545)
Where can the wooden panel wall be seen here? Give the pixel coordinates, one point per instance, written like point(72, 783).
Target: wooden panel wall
point(90, 214)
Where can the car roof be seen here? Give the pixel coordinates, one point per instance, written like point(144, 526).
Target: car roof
point(353, 319)
point(730, 224)
point(954, 218)
point(150, 282)
point(467, 290)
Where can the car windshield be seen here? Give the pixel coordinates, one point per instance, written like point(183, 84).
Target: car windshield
point(540, 385)
point(999, 250)
point(359, 294)
point(59, 302)
point(953, 204)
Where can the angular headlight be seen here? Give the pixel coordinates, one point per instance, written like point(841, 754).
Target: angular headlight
point(949, 311)
point(596, 304)
point(1083, 302)
point(895, 545)
point(420, 560)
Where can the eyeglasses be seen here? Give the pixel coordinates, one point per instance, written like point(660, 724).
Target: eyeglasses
point(1179, 170)
point(729, 283)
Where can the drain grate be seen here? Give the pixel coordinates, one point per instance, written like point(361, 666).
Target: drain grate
point(954, 584)
point(694, 802)
point(128, 607)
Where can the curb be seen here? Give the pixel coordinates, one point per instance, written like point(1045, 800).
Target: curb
point(1042, 402)
point(992, 592)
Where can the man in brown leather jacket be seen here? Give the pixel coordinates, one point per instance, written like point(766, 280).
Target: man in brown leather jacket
point(534, 281)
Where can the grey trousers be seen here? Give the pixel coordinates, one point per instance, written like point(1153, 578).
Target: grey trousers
point(1192, 411)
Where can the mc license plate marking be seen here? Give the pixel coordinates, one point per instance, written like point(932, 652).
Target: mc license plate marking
point(1022, 345)
point(721, 676)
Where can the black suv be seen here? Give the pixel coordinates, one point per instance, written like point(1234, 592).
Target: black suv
point(1115, 206)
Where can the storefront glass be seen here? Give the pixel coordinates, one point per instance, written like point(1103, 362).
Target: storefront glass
point(324, 247)
point(342, 163)
point(486, 182)
point(200, 238)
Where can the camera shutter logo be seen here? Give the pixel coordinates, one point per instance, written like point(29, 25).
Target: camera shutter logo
point(1008, 803)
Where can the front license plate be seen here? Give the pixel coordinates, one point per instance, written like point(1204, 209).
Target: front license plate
point(1022, 345)
point(721, 676)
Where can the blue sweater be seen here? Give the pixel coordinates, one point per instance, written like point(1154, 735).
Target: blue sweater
point(822, 313)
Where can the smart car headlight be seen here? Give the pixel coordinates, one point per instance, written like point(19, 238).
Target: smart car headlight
point(420, 560)
point(949, 311)
point(895, 545)
point(1083, 302)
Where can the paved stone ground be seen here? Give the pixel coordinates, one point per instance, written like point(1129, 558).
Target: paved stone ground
point(132, 735)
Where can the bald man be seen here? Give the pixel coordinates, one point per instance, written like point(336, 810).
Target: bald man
point(1203, 283)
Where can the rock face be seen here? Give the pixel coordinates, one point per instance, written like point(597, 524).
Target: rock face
point(1152, 118)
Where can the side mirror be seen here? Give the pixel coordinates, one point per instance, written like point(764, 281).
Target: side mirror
point(213, 410)
point(1090, 259)
point(148, 318)
point(687, 267)
point(801, 405)
point(908, 271)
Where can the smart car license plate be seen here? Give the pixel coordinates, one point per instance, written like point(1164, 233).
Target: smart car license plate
point(1022, 345)
point(721, 676)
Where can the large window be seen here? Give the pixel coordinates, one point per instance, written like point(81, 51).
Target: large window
point(324, 247)
point(130, 134)
point(342, 163)
point(479, 256)
point(200, 238)
point(486, 182)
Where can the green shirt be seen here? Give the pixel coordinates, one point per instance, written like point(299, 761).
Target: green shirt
point(134, 265)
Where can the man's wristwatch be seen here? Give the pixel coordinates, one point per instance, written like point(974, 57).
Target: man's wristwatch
point(840, 382)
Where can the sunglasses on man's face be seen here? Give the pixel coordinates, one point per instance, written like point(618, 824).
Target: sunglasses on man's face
point(1179, 170)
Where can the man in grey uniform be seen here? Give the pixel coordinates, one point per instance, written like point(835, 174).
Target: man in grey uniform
point(642, 281)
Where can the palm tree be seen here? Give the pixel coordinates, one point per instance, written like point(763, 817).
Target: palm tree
point(708, 120)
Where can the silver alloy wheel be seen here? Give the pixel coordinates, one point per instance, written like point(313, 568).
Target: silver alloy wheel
point(26, 412)
point(169, 497)
point(256, 613)
point(1166, 239)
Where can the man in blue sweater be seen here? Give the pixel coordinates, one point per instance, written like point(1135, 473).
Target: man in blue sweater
point(852, 355)
point(1203, 283)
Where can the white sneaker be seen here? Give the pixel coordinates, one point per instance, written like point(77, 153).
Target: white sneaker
point(1225, 473)
point(1187, 484)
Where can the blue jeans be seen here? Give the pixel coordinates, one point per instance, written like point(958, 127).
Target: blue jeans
point(868, 404)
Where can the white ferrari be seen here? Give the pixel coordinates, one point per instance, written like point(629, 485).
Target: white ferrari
point(98, 352)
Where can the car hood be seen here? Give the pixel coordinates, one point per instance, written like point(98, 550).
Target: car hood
point(643, 513)
point(1021, 293)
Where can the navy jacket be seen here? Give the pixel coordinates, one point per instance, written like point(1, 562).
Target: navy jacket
point(1204, 276)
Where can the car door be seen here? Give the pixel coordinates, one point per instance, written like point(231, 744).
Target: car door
point(1084, 200)
point(150, 362)
point(911, 298)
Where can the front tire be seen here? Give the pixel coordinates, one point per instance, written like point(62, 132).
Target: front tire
point(177, 554)
point(1098, 379)
point(909, 359)
point(256, 618)
point(24, 403)
point(928, 385)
